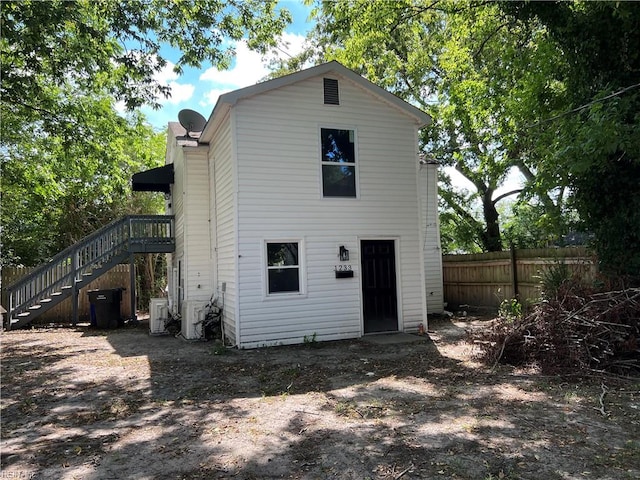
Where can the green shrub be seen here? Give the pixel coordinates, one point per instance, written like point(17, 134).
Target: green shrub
point(552, 278)
point(510, 309)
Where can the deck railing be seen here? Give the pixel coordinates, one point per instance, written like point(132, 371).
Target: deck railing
point(69, 270)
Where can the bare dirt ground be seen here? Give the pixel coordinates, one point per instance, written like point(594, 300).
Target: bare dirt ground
point(87, 404)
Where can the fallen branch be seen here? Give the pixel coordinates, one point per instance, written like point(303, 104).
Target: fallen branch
point(501, 352)
point(601, 409)
point(402, 473)
point(577, 330)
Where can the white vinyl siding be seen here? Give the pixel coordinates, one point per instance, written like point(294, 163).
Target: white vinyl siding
point(224, 229)
point(280, 196)
point(197, 241)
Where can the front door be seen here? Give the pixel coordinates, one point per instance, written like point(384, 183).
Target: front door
point(379, 295)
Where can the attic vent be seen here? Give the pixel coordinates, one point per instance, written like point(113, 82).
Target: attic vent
point(331, 96)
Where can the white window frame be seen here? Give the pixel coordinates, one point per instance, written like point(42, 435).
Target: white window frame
point(301, 268)
point(355, 164)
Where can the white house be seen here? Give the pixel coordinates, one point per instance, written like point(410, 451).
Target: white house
point(303, 206)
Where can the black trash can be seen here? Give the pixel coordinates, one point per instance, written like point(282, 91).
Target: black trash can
point(106, 305)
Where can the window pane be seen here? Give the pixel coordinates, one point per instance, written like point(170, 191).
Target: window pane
point(284, 280)
point(281, 254)
point(338, 181)
point(338, 145)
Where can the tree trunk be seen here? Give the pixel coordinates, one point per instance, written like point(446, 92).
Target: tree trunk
point(492, 240)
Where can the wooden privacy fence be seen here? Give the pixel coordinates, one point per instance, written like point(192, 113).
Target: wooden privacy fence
point(115, 278)
point(485, 279)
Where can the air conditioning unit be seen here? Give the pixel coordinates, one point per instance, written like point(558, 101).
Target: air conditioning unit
point(158, 314)
point(195, 313)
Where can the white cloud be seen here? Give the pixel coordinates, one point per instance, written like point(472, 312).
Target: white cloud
point(249, 67)
point(290, 44)
point(166, 74)
point(211, 97)
point(180, 92)
point(121, 107)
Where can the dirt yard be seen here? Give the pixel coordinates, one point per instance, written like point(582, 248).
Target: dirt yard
point(83, 404)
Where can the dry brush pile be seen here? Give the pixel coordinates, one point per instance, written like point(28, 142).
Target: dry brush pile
point(574, 330)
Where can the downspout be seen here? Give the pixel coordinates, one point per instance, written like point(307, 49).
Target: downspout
point(215, 218)
point(132, 281)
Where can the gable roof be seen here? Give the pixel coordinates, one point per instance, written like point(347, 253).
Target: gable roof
point(227, 100)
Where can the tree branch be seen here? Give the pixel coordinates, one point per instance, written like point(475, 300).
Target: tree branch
point(489, 37)
point(415, 13)
point(586, 105)
point(530, 177)
point(32, 107)
point(507, 194)
point(468, 174)
point(526, 171)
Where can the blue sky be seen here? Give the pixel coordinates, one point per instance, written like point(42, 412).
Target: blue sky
point(198, 89)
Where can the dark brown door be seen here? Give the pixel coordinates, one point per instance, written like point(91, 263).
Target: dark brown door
point(379, 295)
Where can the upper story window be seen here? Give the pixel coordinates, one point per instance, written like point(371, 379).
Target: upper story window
point(338, 162)
point(331, 94)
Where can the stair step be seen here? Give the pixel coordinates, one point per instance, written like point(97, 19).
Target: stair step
point(46, 300)
point(22, 315)
point(56, 294)
point(35, 307)
point(66, 287)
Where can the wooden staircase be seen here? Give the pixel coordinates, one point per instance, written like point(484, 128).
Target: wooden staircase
point(75, 267)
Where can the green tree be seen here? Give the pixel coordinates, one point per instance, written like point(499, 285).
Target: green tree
point(113, 47)
point(595, 138)
point(479, 72)
point(66, 154)
point(58, 189)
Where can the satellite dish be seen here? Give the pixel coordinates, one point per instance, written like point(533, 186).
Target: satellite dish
point(191, 120)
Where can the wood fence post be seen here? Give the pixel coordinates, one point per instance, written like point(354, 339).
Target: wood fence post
point(514, 271)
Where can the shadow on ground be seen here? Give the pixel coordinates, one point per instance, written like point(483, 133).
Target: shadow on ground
point(78, 403)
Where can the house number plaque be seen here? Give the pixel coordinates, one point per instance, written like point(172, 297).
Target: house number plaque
point(344, 271)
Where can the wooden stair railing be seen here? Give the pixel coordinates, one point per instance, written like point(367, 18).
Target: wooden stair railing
point(73, 268)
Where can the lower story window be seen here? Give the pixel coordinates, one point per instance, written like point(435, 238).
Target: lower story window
point(283, 267)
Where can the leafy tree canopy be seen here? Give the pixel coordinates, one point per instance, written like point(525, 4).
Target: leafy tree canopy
point(595, 139)
point(479, 72)
point(113, 46)
point(57, 189)
point(549, 88)
point(67, 155)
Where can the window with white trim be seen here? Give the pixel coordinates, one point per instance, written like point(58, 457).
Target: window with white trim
point(283, 267)
point(338, 162)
